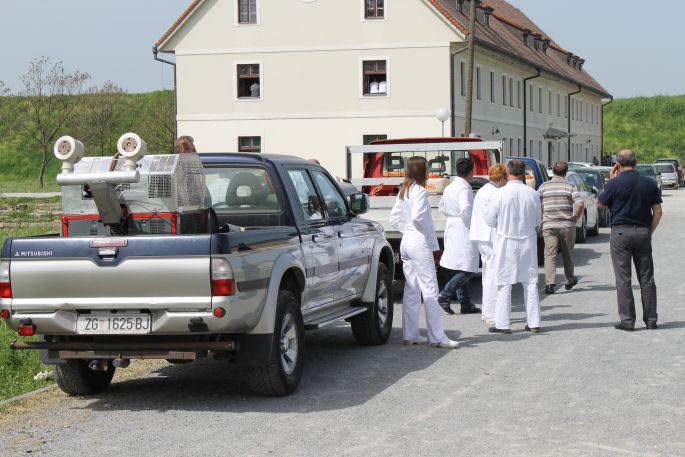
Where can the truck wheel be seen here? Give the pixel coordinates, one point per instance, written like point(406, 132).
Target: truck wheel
point(75, 378)
point(281, 375)
point(373, 327)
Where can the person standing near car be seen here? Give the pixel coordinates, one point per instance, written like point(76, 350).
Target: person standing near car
point(559, 225)
point(460, 254)
point(411, 215)
point(514, 213)
point(484, 236)
point(635, 206)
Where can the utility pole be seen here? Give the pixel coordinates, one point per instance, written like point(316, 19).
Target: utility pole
point(469, 67)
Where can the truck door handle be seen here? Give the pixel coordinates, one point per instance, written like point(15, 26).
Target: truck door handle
point(315, 237)
point(108, 252)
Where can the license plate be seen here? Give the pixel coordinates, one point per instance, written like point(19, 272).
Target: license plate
point(113, 324)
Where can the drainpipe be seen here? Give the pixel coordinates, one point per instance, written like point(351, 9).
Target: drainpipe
point(602, 121)
point(525, 112)
point(568, 104)
point(453, 103)
point(173, 64)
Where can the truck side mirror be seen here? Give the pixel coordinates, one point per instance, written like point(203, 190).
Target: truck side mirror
point(359, 203)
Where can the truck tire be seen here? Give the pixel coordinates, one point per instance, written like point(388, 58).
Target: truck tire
point(373, 327)
point(75, 378)
point(282, 374)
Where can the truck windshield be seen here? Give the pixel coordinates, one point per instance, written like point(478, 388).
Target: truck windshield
point(664, 168)
point(646, 170)
point(440, 163)
point(240, 188)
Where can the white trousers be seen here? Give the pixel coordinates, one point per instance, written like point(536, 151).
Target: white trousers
point(487, 257)
point(420, 279)
point(503, 307)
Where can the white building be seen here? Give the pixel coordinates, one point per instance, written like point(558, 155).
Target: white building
point(308, 77)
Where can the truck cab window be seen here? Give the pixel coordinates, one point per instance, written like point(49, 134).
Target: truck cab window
point(334, 201)
point(310, 206)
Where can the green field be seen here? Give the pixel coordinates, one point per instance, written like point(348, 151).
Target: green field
point(17, 368)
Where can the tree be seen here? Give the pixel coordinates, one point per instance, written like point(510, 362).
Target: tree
point(158, 125)
point(100, 116)
point(50, 95)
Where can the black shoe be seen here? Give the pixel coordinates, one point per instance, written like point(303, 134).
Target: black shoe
point(623, 327)
point(445, 303)
point(469, 309)
point(533, 329)
point(573, 283)
point(499, 330)
point(549, 289)
point(652, 326)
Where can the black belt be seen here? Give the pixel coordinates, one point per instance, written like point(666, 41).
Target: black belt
point(621, 226)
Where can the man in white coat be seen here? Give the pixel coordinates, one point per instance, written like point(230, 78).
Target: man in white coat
point(460, 253)
point(515, 214)
point(485, 236)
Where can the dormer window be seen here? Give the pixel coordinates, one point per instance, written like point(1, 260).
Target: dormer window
point(580, 64)
point(536, 42)
point(460, 6)
point(545, 45)
point(526, 34)
point(569, 58)
point(486, 16)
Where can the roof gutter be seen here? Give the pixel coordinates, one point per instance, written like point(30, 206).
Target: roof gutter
point(155, 53)
point(568, 105)
point(602, 121)
point(525, 113)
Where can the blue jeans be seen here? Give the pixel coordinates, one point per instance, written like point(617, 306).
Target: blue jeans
point(458, 287)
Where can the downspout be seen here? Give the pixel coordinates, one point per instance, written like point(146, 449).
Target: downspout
point(568, 105)
point(525, 112)
point(453, 103)
point(173, 64)
point(602, 121)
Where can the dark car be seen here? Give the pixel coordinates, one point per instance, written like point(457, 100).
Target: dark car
point(594, 179)
point(650, 170)
point(678, 167)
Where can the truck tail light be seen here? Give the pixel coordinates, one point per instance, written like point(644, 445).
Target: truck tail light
point(5, 313)
point(26, 328)
point(223, 282)
point(5, 285)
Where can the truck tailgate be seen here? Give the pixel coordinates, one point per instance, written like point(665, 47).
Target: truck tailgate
point(155, 272)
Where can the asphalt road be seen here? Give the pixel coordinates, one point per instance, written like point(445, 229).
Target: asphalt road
point(579, 388)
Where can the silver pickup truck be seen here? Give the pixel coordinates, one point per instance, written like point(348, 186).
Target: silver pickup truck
point(273, 248)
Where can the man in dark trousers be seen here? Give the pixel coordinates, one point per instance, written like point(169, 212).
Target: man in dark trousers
point(635, 206)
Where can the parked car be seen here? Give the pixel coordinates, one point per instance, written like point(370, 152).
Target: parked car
point(594, 180)
point(588, 224)
point(576, 165)
point(604, 171)
point(669, 175)
point(678, 167)
point(647, 169)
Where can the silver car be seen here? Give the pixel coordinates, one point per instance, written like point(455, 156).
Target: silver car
point(588, 224)
point(669, 175)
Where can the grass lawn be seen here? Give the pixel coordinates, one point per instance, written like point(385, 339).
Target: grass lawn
point(28, 186)
point(17, 368)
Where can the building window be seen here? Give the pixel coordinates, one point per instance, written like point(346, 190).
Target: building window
point(580, 108)
point(368, 139)
point(530, 153)
point(462, 73)
point(587, 112)
point(549, 102)
point(375, 81)
point(566, 107)
point(479, 94)
point(249, 83)
point(504, 90)
point(375, 9)
point(492, 86)
point(511, 145)
point(540, 99)
point(511, 92)
point(249, 144)
point(558, 104)
point(518, 97)
point(573, 109)
point(518, 144)
point(540, 149)
point(530, 90)
point(247, 11)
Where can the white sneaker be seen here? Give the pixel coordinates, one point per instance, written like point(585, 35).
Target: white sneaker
point(490, 321)
point(482, 318)
point(417, 340)
point(447, 344)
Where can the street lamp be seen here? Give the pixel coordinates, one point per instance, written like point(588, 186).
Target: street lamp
point(443, 114)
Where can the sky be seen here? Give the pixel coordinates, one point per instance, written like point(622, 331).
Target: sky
point(112, 40)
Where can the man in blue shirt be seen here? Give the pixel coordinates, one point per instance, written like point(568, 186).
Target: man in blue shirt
point(635, 206)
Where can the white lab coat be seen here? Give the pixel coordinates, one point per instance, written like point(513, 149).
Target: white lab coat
point(514, 212)
point(457, 204)
point(485, 235)
point(412, 217)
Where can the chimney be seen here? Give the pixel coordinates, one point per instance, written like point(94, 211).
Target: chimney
point(526, 34)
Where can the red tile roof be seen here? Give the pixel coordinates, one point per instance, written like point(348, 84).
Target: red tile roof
point(504, 34)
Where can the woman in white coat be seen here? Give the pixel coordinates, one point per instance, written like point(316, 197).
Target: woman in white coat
point(485, 235)
point(411, 215)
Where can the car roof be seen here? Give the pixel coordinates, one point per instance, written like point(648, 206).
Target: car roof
point(250, 158)
point(586, 170)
